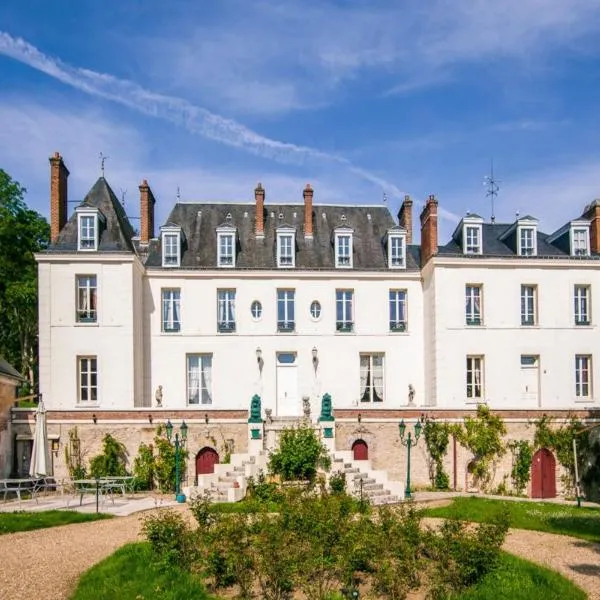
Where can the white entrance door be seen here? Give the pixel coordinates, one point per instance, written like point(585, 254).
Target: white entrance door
point(288, 403)
point(530, 379)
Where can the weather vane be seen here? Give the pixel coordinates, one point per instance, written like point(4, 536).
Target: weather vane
point(492, 188)
point(384, 197)
point(178, 194)
point(102, 161)
point(123, 192)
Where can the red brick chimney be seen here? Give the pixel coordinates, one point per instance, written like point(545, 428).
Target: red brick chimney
point(58, 195)
point(147, 202)
point(259, 197)
point(592, 212)
point(308, 211)
point(405, 218)
point(429, 230)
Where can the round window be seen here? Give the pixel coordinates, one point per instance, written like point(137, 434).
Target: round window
point(256, 310)
point(315, 310)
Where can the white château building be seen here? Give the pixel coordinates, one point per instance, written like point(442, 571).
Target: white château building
point(289, 302)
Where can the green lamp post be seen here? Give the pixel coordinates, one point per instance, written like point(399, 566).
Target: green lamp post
point(409, 442)
point(178, 444)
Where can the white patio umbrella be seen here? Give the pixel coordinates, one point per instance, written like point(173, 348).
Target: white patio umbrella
point(40, 455)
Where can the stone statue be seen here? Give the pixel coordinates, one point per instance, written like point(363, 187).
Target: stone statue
point(306, 407)
point(269, 415)
point(411, 395)
point(326, 409)
point(255, 410)
point(158, 396)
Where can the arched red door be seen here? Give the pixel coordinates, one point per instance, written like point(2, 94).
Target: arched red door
point(206, 460)
point(543, 474)
point(361, 450)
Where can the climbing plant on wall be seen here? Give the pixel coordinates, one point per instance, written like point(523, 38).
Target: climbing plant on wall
point(437, 438)
point(522, 452)
point(482, 435)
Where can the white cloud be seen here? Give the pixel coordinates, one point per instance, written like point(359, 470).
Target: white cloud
point(273, 56)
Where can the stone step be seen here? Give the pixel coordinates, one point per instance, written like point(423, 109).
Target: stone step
point(380, 492)
point(372, 486)
point(389, 499)
point(348, 470)
point(228, 478)
point(365, 478)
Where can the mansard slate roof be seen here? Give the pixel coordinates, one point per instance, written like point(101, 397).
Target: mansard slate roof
point(495, 247)
point(199, 222)
point(115, 234)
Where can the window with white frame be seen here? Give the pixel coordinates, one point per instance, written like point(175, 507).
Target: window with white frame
point(286, 257)
point(171, 249)
point(87, 290)
point(343, 250)
point(580, 245)
point(226, 249)
point(286, 310)
point(473, 312)
point(88, 231)
point(475, 378)
point(171, 310)
point(199, 379)
point(396, 251)
point(527, 241)
point(583, 376)
point(397, 310)
point(343, 309)
point(528, 305)
point(371, 378)
point(226, 311)
point(581, 300)
point(88, 378)
point(472, 239)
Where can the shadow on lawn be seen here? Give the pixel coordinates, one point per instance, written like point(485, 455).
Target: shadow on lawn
point(583, 525)
point(593, 570)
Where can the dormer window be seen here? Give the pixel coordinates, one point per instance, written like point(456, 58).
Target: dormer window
point(396, 249)
point(580, 239)
point(472, 239)
point(286, 255)
point(527, 241)
point(88, 220)
point(343, 248)
point(226, 246)
point(171, 246)
point(470, 229)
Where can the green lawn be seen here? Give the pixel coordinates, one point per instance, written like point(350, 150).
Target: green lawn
point(26, 521)
point(583, 523)
point(130, 574)
point(518, 579)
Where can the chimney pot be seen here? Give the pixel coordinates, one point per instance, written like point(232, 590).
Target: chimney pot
point(259, 197)
point(592, 212)
point(147, 202)
point(58, 195)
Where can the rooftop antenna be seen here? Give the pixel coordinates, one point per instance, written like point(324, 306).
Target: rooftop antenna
point(384, 198)
point(178, 195)
point(492, 188)
point(102, 161)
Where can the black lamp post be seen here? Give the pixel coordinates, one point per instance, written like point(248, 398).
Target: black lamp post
point(178, 444)
point(409, 443)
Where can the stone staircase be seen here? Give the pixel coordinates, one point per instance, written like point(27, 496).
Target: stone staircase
point(361, 478)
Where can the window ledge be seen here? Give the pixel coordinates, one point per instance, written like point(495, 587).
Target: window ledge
point(528, 326)
point(583, 325)
point(85, 405)
point(86, 324)
point(174, 332)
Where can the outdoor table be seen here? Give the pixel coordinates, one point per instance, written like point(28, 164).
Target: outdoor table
point(87, 486)
point(17, 486)
point(116, 482)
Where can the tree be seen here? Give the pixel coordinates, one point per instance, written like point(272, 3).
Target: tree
point(22, 233)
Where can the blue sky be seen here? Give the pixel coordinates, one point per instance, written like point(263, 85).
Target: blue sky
point(357, 97)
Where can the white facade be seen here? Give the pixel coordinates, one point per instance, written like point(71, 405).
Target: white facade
point(554, 338)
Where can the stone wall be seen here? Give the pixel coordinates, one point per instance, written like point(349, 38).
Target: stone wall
point(7, 400)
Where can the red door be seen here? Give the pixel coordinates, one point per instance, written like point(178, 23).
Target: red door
point(206, 460)
point(361, 450)
point(543, 474)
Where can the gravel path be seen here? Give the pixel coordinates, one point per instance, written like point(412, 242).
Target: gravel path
point(48, 562)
